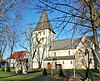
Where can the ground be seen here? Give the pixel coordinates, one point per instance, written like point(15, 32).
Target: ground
point(36, 75)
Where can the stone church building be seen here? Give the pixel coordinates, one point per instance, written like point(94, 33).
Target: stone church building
point(66, 54)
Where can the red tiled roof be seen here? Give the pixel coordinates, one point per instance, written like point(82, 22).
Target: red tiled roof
point(16, 55)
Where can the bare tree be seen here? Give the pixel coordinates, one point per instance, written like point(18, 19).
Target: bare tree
point(5, 23)
point(8, 41)
point(10, 14)
point(5, 6)
point(33, 45)
point(39, 49)
point(28, 34)
point(12, 39)
point(3, 41)
point(84, 15)
point(85, 57)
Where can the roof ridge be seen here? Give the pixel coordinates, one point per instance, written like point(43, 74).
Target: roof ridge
point(71, 38)
point(67, 39)
point(20, 51)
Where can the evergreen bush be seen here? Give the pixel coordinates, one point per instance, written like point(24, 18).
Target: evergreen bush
point(44, 72)
point(8, 69)
point(61, 74)
point(95, 70)
point(19, 71)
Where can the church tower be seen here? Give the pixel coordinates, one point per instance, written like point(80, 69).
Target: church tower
point(43, 34)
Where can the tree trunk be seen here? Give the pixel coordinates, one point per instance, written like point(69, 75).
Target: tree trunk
point(39, 66)
point(95, 38)
point(31, 64)
point(93, 23)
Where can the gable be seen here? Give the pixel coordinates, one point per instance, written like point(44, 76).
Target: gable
point(85, 43)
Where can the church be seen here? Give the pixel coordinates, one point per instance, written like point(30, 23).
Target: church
point(66, 54)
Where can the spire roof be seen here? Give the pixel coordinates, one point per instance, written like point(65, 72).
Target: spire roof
point(44, 23)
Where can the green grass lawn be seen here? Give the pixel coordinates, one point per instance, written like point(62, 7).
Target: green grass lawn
point(19, 78)
point(13, 77)
point(31, 76)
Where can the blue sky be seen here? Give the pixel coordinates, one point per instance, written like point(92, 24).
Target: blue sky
point(30, 16)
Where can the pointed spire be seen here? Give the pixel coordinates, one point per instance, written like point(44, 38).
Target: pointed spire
point(44, 23)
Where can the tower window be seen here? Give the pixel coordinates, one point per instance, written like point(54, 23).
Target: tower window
point(69, 52)
point(54, 53)
point(39, 33)
point(42, 39)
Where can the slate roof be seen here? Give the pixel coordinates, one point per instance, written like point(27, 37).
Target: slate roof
point(60, 58)
point(44, 23)
point(64, 44)
point(17, 55)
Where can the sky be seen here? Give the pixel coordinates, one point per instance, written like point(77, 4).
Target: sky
point(30, 16)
